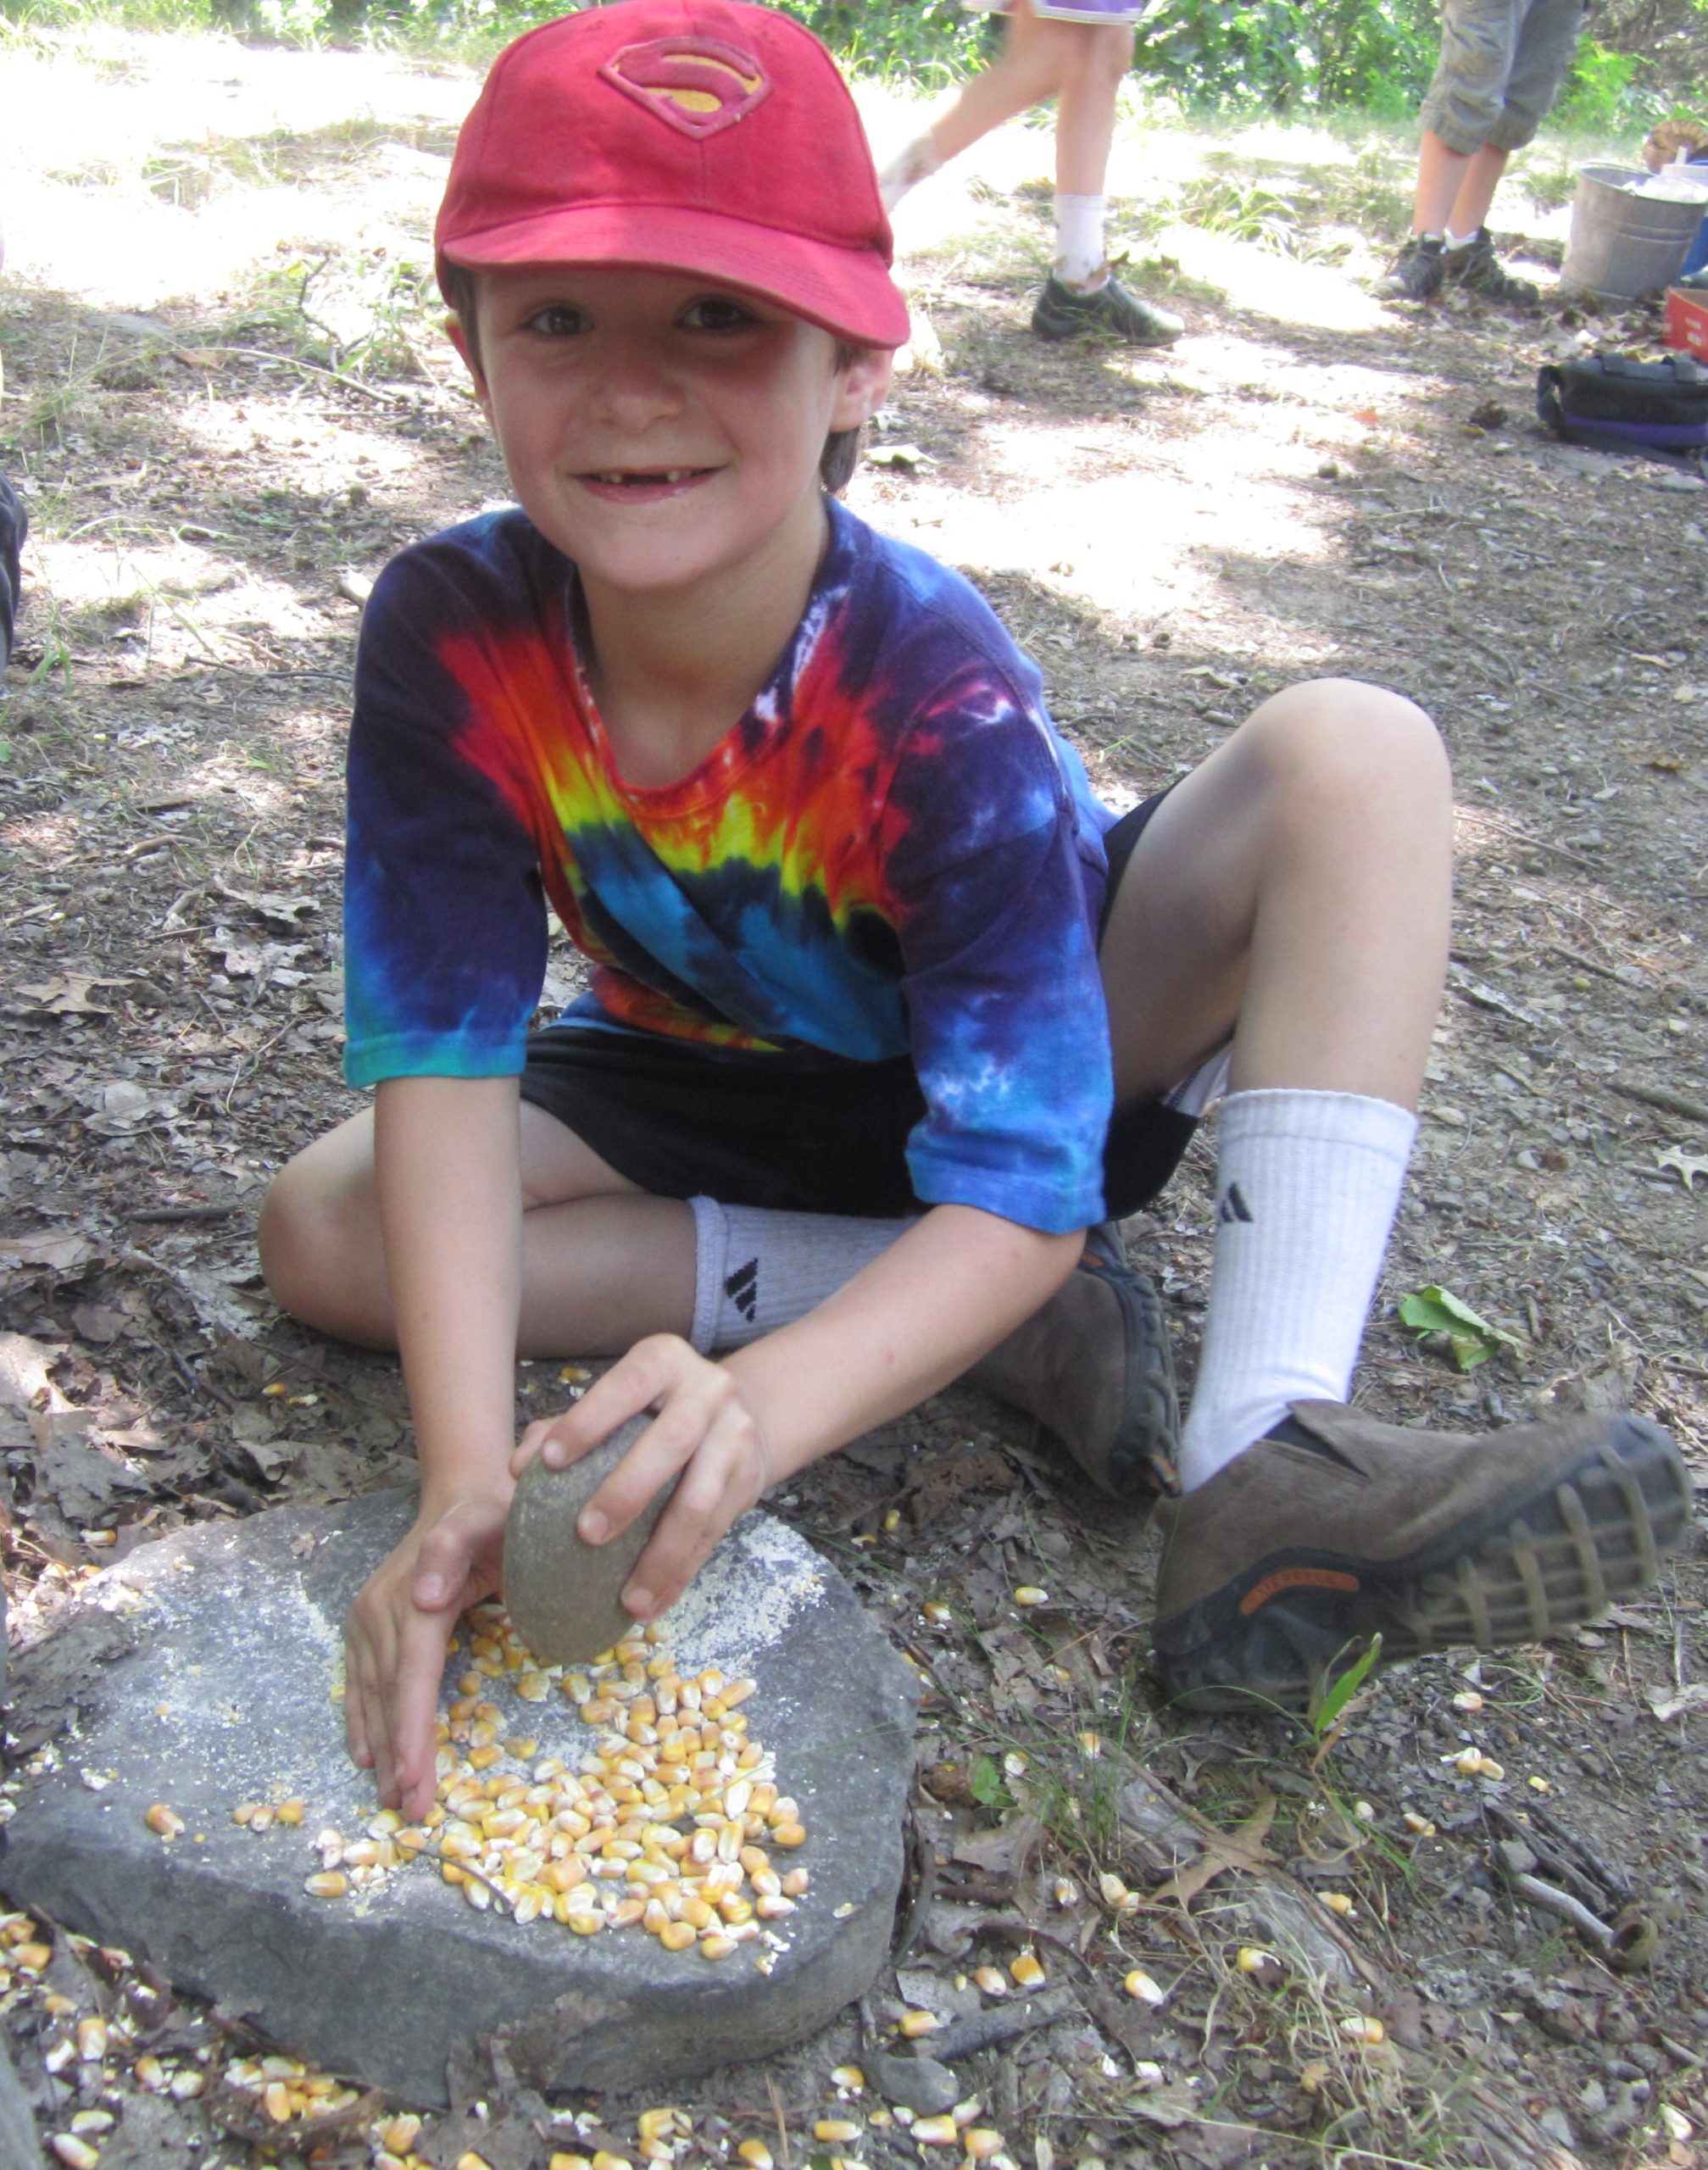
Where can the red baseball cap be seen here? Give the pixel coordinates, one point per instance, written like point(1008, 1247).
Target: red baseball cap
point(709, 136)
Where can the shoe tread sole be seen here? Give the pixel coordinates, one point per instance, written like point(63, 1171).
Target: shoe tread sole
point(1531, 1568)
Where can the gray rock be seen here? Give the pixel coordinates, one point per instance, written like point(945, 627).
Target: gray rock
point(18, 2147)
point(561, 1593)
point(225, 1688)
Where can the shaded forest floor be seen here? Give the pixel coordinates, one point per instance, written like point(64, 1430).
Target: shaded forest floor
point(227, 402)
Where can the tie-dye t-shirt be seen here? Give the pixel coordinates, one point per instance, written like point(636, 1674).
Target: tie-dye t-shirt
point(893, 851)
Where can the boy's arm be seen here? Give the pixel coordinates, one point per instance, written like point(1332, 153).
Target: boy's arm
point(915, 1318)
point(447, 1163)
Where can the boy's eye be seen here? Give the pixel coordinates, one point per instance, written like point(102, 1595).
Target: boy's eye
point(556, 321)
point(718, 312)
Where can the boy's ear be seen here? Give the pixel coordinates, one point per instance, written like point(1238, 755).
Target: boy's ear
point(862, 388)
point(457, 332)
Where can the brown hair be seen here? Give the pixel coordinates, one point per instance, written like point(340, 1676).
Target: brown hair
point(837, 461)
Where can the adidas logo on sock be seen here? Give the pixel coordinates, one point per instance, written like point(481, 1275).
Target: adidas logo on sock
point(742, 1287)
point(1234, 1206)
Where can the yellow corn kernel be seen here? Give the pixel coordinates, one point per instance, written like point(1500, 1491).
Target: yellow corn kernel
point(835, 2128)
point(1027, 1970)
point(586, 1923)
point(917, 2022)
point(30, 1958)
point(716, 1947)
point(755, 2154)
point(471, 2160)
point(677, 1936)
point(276, 2100)
point(75, 2154)
point(795, 1883)
point(1251, 1959)
point(292, 1811)
point(1419, 1826)
point(656, 2124)
point(606, 2160)
point(92, 2039)
point(262, 1820)
point(1145, 1987)
point(399, 2133)
point(1361, 2030)
point(533, 1687)
point(982, 2142)
point(560, 2160)
point(330, 1884)
point(1337, 1902)
point(244, 1810)
point(935, 2132)
point(850, 2078)
point(992, 1980)
point(165, 1821)
point(151, 2073)
point(788, 1834)
point(1029, 1594)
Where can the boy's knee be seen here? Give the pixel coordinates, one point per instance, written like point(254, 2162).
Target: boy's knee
point(1102, 55)
point(299, 1240)
point(1340, 731)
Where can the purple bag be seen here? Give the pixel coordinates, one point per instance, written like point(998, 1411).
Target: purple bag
point(1657, 408)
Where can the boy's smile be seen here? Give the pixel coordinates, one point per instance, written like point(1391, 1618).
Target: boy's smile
point(665, 432)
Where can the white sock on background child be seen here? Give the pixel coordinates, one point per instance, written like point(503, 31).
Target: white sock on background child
point(1307, 1186)
point(1079, 221)
point(756, 1270)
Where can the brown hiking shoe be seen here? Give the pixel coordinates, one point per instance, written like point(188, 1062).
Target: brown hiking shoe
point(1094, 1367)
point(1334, 1527)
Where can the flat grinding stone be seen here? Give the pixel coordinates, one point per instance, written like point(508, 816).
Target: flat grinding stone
point(561, 1593)
point(204, 1671)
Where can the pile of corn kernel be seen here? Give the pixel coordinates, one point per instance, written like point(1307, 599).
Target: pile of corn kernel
point(667, 1824)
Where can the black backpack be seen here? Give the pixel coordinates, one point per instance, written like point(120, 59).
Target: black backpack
point(1616, 405)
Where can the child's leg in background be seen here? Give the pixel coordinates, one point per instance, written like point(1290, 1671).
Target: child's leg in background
point(14, 525)
point(1295, 889)
point(1082, 65)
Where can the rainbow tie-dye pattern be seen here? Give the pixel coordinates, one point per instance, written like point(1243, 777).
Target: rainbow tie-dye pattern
point(892, 852)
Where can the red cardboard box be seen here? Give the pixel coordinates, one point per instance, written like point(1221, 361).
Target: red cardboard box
point(1686, 322)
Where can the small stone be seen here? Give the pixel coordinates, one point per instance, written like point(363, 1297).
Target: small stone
point(561, 1592)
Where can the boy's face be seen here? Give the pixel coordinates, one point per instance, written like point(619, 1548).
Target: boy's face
point(660, 429)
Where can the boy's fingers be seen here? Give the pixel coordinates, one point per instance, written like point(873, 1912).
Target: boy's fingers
point(723, 1480)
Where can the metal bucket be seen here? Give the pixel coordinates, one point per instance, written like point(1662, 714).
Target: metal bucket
point(1625, 246)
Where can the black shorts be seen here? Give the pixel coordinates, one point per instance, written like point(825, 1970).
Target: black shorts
point(795, 1131)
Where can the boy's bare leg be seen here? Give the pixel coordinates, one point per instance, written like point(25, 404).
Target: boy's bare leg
point(1295, 888)
point(602, 1263)
point(1032, 67)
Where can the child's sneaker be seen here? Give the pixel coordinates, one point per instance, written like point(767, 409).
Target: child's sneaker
point(1476, 269)
point(1334, 1527)
point(1094, 1367)
point(1062, 312)
point(1416, 273)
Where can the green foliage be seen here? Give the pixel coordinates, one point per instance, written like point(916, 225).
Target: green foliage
point(1447, 1322)
point(1286, 55)
point(985, 1780)
point(1329, 1705)
point(1602, 93)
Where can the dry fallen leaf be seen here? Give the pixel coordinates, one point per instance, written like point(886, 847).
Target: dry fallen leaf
point(1688, 1165)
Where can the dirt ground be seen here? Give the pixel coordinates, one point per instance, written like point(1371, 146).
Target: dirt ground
point(227, 404)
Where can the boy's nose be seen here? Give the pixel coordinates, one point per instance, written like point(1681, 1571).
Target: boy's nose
point(634, 386)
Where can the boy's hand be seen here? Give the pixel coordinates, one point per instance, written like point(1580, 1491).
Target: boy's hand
point(702, 1427)
point(395, 1637)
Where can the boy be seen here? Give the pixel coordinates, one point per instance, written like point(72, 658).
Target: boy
point(852, 913)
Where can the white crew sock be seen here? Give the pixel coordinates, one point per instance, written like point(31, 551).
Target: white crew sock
point(915, 162)
point(1306, 1187)
point(755, 1271)
point(1079, 242)
point(1451, 241)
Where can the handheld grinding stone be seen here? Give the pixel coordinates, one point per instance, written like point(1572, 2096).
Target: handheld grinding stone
point(561, 1592)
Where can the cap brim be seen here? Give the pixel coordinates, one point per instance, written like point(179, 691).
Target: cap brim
point(846, 290)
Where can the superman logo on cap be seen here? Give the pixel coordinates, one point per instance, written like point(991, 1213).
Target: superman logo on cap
point(694, 84)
